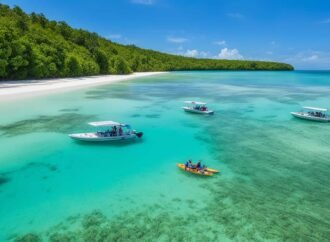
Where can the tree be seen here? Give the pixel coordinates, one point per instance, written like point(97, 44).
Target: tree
point(22, 25)
point(102, 61)
point(64, 29)
point(121, 66)
point(3, 66)
point(73, 67)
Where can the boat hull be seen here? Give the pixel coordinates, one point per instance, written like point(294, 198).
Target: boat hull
point(191, 110)
point(93, 137)
point(194, 171)
point(309, 117)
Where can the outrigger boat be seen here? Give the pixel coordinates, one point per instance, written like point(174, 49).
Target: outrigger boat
point(118, 131)
point(197, 107)
point(313, 114)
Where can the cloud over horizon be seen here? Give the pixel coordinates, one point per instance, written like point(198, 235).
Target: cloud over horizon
point(195, 53)
point(229, 54)
point(314, 59)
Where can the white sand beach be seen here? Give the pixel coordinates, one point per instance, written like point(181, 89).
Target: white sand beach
point(12, 90)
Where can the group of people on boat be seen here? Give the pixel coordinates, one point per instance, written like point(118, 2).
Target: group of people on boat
point(113, 132)
point(198, 166)
point(317, 114)
point(200, 108)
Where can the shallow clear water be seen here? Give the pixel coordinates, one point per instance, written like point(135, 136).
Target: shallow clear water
point(274, 184)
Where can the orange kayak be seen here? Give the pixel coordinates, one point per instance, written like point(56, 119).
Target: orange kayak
point(212, 170)
point(194, 171)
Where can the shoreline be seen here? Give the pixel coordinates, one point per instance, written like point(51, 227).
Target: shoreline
point(14, 90)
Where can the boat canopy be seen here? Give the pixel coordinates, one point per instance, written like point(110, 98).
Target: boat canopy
point(107, 123)
point(195, 103)
point(316, 109)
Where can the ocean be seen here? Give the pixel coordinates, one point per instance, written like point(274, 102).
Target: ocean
point(274, 183)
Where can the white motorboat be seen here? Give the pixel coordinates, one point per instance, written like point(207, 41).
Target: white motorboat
point(313, 114)
point(197, 107)
point(112, 131)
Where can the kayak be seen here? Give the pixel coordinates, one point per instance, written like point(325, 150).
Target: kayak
point(194, 171)
point(212, 170)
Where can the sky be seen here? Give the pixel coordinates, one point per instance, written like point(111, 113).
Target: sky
point(291, 31)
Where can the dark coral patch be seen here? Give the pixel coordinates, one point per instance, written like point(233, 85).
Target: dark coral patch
point(63, 123)
point(3, 180)
point(30, 237)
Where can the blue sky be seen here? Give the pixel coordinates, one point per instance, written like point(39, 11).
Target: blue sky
point(296, 32)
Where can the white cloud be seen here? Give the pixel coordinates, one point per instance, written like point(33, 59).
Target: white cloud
point(177, 40)
point(325, 21)
point(203, 54)
point(144, 2)
point(220, 42)
point(236, 15)
point(191, 53)
point(230, 54)
point(310, 58)
point(114, 36)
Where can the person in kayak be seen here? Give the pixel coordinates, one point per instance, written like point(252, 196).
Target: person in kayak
point(198, 165)
point(188, 164)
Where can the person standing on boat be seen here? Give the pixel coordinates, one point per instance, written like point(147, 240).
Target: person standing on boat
point(114, 131)
point(120, 131)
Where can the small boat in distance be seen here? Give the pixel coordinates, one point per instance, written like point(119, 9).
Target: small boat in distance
point(313, 114)
point(112, 131)
point(197, 107)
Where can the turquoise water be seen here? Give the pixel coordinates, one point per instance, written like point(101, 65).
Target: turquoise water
point(274, 184)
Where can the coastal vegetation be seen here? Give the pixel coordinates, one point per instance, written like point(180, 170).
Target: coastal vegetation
point(31, 46)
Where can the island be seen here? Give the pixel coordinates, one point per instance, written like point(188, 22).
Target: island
point(33, 47)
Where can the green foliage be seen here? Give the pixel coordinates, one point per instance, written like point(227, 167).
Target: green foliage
point(102, 60)
point(73, 67)
point(120, 65)
point(33, 47)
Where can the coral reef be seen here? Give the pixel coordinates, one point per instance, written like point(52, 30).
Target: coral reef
point(62, 123)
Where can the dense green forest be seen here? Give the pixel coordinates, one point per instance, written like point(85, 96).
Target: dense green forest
point(33, 47)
